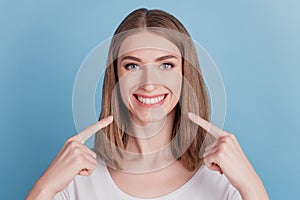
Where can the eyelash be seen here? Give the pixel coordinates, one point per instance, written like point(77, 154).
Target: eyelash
point(171, 65)
point(130, 65)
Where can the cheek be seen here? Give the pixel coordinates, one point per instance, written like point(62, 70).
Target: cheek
point(127, 84)
point(173, 80)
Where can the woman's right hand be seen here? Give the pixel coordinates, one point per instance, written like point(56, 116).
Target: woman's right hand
point(73, 159)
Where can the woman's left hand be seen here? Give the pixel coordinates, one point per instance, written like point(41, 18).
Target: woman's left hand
point(226, 156)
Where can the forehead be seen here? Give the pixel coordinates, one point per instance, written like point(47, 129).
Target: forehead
point(146, 40)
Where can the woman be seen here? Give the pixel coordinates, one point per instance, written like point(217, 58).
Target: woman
point(155, 148)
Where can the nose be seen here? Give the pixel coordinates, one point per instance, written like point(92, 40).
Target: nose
point(149, 79)
point(148, 87)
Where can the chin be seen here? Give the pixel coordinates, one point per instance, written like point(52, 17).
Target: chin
point(155, 115)
point(144, 119)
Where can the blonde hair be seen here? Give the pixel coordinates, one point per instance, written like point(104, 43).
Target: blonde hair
point(184, 131)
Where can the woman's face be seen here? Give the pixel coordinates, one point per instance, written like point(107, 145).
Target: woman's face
point(150, 76)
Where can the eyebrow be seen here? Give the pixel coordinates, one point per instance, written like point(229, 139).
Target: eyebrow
point(156, 60)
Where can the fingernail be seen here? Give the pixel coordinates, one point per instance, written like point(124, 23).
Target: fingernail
point(110, 118)
point(191, 115)
point(94, 154)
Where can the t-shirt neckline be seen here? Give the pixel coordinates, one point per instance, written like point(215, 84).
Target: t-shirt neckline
point(165, 196)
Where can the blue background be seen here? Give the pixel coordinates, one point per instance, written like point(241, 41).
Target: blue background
point(255, 45)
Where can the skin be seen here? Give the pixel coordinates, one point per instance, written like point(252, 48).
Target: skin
point(224, 156)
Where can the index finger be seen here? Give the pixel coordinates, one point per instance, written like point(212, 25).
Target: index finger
point(209, 127)
point(92, 129)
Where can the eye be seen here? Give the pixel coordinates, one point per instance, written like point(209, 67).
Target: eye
point(166, 66)
point(132, 66)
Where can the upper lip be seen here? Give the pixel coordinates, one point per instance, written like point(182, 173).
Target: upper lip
point(152, 96)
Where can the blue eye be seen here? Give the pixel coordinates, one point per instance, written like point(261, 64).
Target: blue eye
point(166, 66)
point(132, 66)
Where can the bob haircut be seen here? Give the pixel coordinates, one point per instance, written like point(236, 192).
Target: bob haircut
point(185, 133)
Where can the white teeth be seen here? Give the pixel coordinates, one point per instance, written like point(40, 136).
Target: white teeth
point(150, 100)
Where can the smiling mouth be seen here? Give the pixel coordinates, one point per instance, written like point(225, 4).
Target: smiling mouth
point(158, 99)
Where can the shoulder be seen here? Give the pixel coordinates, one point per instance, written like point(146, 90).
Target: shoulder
point(213, 185)
point(86, 187)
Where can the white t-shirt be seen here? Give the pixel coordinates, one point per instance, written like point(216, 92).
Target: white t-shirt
point(205, 184)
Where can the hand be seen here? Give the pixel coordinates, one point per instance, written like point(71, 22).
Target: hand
point(226, 156)
point(73, 159)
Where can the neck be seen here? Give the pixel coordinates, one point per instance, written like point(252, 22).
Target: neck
point(152, 136)
point(147, 144)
